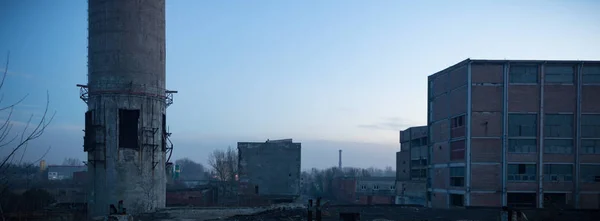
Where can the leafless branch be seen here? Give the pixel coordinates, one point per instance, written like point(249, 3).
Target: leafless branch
point(5, 69)
point(26, 137)
point(18, 140)
point(224, 164)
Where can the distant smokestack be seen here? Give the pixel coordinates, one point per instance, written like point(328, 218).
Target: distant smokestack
point(340, 161)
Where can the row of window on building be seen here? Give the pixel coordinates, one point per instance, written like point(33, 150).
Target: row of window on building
point(528, 173)
point(562, 74)
point(558, 134)
point(376, 187)
point(520, 200)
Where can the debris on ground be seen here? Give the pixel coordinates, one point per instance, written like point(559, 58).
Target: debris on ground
point(293, 214)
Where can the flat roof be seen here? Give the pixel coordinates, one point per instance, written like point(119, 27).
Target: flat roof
point(413, 127)
point(497, 61)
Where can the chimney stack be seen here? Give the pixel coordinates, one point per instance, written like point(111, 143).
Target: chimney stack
point(340, 161)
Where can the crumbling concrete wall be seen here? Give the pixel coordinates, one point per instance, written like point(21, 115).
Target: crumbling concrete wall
point(269, 168)
point(126, 70)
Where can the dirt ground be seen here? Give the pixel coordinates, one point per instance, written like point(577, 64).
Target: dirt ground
point(383, 212)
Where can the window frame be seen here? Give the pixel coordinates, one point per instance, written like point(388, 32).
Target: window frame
point(457, 149)
point(595, 148)
point(547, 148)
point(452, 200)
point(457, 122)
point(589, 178)
point(560, 177)
point(587, 75)
point(521, 175)
point(514, 151)
point(550, 125)
point(559, 73)
point(512, 73)
point(454, 177)
point(511, 127)
point(588, 128)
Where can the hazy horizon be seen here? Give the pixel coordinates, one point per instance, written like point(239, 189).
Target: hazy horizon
point(329, 74)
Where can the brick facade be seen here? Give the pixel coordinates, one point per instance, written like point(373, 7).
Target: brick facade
point(498, 89)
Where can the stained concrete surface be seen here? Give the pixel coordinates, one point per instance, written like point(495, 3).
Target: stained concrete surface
point(270, 168)
point(126, 70)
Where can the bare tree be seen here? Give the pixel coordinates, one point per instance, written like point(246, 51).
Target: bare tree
point(72, 162)
point(224, 164)
point(16, 141)
point(190, 170)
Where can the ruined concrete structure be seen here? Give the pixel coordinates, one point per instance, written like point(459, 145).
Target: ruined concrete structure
point(412, 162)
point(269, 169)
point(515, 133)
point(375, 190)
point(125, 124)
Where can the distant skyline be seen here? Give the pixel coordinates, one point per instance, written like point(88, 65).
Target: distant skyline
point(329, 74)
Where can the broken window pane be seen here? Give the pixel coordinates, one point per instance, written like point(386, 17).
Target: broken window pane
point(590, 173)
point(558, 172)
point(590, 146)
point(522, 125)
point(457, 176)
point(558, 125)
point(591, 74)
point(559, 73)
point(562, 146)
point(523, 74)
point(590, 125)
point(522, 146)
point(521, 172)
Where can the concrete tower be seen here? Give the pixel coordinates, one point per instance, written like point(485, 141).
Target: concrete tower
point(125, 125)
point(340, 161)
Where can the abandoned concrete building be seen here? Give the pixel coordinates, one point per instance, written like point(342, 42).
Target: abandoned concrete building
point(411, 166)
point(375, 190)
point(125, 123)
point(515, 133)
point(269, 170)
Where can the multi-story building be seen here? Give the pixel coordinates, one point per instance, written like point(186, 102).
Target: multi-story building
point(411, 166)
point(515, 133)
point(375, 190)
point(269, 170)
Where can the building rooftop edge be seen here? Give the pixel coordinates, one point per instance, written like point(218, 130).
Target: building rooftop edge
point(475, 60)
point(414, 127)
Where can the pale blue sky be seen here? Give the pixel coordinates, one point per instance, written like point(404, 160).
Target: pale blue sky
point(330, 74)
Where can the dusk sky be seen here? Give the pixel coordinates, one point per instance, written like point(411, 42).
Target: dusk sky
point(339, 74)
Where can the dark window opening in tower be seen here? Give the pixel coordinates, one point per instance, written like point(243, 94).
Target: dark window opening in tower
point(128, 128)
point(164, 132)
point(89, 136)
